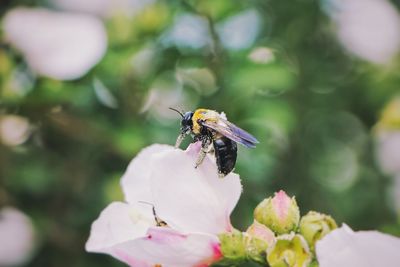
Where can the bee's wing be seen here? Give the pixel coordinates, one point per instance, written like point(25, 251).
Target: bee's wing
point(231, 131)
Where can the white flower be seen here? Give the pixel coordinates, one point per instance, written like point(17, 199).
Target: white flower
point(395, 192)
point(262, 55)
point(160, 99)
point(370, 29)
point(241, 30)
point(17, 237)
point(195, 204)
point(388, 151)
point(189, 31)
point(58, 45)
point(104, 7)
point(14, 130)
point(343, 247)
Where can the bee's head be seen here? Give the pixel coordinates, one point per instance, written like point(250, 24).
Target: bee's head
point(186, 122)
point(186, 125)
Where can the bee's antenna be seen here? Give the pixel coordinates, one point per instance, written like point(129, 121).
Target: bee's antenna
point(145, 202)
point(180, 113)
point(148, 203)
point(159, 222)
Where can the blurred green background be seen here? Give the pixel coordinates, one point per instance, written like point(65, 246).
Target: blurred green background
point(279, 69)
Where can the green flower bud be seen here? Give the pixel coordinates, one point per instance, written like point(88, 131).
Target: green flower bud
point(314, 263)
point(315, 226)
point(260, 231)
point(290, 250)
point(280, 213)
point(233, 246)
point(258, 238)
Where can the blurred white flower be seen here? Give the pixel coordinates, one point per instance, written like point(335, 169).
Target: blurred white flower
point(17, 237)
point(387, 147)
point(241, 30)
point(103, 7)
point(388, 151)
point(189, 31)
point(344, 247)
point(160, 99)
point(145, 61)
point(370, 29)
point(262, 55)
point(58, 45)
point(104, 94)
point(194, 203)
point(336, 167)
point(200, 79)
point(165, 92)
point(396, 193)
point(14, 130)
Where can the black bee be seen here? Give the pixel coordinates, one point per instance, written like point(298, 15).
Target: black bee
point(210, 127)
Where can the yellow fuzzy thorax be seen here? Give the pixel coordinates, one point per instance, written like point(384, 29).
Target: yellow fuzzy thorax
point(203, 114)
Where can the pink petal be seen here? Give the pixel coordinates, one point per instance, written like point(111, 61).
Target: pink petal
point(189, 199)
point(136, 180)
point(281, 202)
point(343, 247)
point(168, 248)
point(117, 223)
point(193, 149)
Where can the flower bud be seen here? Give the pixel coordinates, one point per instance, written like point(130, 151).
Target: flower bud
point(289, 250)
point(260, 231)
point(258, 238)
point(315, 226)
point(280, 213)
point(233, 246)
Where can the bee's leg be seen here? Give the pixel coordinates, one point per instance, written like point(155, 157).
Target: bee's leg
point(205, 148)
point(179, 140)
point(221, 175)
point(200, 158)
point(196, 138)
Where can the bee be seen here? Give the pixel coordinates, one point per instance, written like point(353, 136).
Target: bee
point(217, 135)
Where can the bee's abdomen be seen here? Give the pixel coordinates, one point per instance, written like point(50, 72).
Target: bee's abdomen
point(225, 154)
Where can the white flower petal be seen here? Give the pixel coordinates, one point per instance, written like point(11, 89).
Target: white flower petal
point(58, 45)
point(17, 237)
point(14, 130)
point(136, 180)
point(118, 223)
point(395, 193)
point(169, 248)
point(241, 30)
point(160, 99)
point(388, 151)
point(190, 31)
point(262, 55)
point(104, 7)
point(189, 199)
point(370, 29)
point(343, 247)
